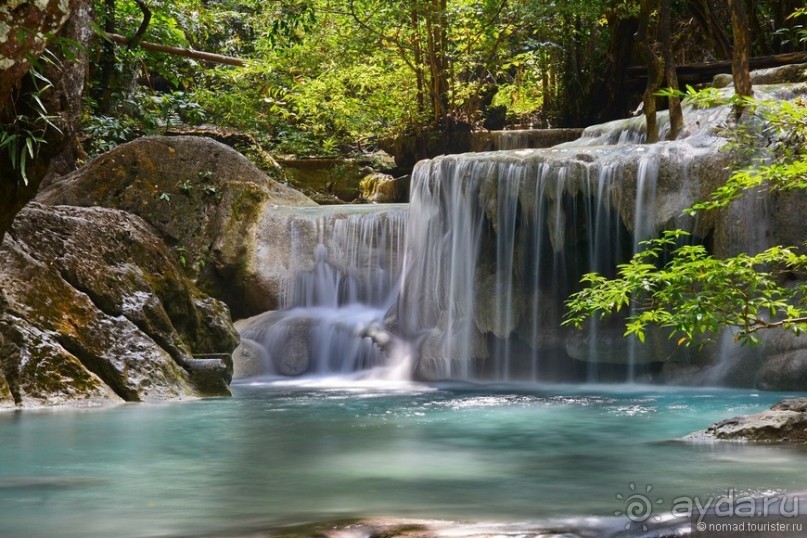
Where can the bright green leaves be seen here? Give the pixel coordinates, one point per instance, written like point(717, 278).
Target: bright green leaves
point(776, 145)
point(695, 294)
point(778, 176)
point(22, 139)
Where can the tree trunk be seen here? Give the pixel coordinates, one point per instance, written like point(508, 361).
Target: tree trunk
point(759, 37)
point(437, 56)
point(704, 13)
point(740, 68)
point(68, 91)
point(619, 58)
point(655, 71)
point(418, 57)
point(27, 26)
point(18, 184)
point(102, 93)
point(674, 102)
point(546, 89)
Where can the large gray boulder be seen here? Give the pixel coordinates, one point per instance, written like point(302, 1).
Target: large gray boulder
point(202, 197)
point(95, 309)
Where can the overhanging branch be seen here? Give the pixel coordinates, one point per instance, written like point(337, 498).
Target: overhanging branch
point(144, 24)
point(178, 51)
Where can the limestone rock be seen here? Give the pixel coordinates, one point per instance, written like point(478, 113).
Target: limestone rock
point(337, 179)
point(251, 359)
point(277, 339)
point(6, 398)
point(612, 347)
point(442, 354)
point(381, 188)
point(521, 139)
point(774, 75)
point(785, 371)
point(202, 197)
point(93, 308)
point(784, 422)
point(492, 313)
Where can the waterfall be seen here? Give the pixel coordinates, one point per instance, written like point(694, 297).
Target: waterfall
point(349, 260)
point(643, 229)
point(473, 274)
point(496, 242)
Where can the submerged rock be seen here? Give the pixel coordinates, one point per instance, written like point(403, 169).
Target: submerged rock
point(94, 309)
point(202, 197)
point(784, 422)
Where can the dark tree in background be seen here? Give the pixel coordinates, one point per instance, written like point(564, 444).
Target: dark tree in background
point(40, 96)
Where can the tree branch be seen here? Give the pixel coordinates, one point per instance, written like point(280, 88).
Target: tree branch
point(178, 51)
point(144, 24)
point(761, 324)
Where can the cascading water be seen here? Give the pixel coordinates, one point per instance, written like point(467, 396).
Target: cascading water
point(493, 248)
point(494, 244)
point(643, 229)
point(498, 240)
point(333, 309)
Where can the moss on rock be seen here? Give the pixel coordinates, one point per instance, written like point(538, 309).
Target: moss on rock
point(202, 197)
point(93, 307)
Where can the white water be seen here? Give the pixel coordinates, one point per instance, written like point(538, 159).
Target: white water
point(493, 244)
point(333, 316)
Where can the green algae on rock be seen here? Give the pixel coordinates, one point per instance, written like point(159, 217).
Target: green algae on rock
point(202, 197)
point(94, 309)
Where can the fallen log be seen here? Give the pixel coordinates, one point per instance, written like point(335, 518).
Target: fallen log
point(178, 51)
point(703, 72)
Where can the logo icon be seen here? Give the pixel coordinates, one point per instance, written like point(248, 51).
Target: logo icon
point(638, 506)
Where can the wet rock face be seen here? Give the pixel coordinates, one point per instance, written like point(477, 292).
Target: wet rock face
point(785, 371)
point(203, 198)
point(94, 309)
point(784, 422)
point(380, 188)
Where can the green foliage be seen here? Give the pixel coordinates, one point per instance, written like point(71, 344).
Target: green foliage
point(326, 77)
point(795, 33)
point(25, 135)
point(106, 132)
point(776, 147)
point(683, 287)
point(695, 294)
point(143, 112)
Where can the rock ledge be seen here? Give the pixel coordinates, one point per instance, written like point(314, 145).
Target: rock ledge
point(785, 422)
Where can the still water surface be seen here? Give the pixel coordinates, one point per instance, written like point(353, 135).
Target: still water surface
point(278, 453)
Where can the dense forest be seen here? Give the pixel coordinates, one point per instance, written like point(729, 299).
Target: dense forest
point(330, 77)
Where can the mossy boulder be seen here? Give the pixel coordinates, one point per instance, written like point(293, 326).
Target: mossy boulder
point(381, 188)
point(334, 181)
point(95, 309)
point(203, 198)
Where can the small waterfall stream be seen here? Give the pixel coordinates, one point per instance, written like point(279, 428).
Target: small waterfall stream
point(333, 308)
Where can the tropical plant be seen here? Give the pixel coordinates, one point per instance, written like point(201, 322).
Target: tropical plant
point(23, 137)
